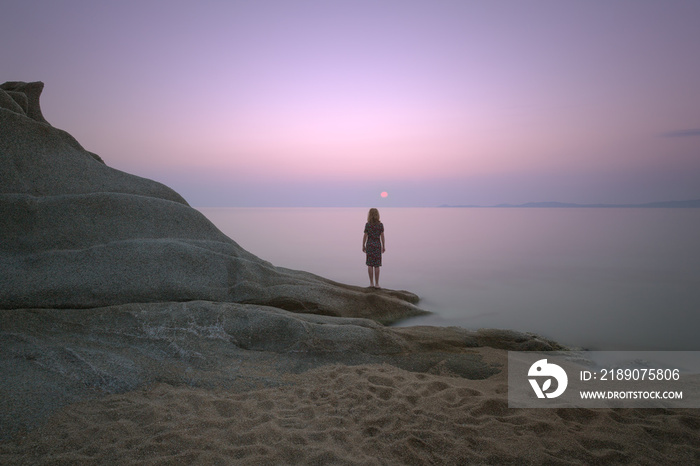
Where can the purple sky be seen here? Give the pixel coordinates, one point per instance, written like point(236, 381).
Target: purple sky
point(329, 103)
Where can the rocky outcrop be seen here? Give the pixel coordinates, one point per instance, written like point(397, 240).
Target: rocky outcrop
point(75, 233)
point(26, 95)
point(110, 282)
point(50, 358)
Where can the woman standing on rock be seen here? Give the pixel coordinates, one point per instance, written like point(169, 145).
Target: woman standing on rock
point(373, 245)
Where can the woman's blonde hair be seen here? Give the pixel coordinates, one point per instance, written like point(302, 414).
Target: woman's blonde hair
point(373, 216)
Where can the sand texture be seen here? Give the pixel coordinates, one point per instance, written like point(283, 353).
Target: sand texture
point(223, 383)
point(132, 331)
point(359, 415)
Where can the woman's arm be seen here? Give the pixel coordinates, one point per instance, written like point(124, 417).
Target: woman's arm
point(364, 241)
point(383, 243)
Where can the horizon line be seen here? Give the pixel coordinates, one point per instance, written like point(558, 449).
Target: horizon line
point(691, 203)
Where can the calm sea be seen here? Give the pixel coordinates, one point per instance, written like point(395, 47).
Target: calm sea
point(608, 279)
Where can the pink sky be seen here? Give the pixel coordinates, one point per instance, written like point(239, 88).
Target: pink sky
point(329, 103)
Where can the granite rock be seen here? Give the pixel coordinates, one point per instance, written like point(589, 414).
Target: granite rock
point(110, 282)
point(75, 233)
point(51, 358)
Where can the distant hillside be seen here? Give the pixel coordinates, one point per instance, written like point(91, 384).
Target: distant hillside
point(668, 205)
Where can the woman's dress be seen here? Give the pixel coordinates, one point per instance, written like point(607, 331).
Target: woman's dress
point(373, 246)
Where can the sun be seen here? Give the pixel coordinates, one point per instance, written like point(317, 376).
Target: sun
point(384, 194)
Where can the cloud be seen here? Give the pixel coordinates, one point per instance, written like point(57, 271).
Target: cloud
point(683, 133)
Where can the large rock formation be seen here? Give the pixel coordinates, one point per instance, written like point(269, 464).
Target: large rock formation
point(77, 233)
point(109, 282)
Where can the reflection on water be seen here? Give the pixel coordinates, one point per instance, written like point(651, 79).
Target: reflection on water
point(597, 278)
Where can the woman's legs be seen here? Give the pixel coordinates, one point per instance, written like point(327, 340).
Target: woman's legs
point(373, 273)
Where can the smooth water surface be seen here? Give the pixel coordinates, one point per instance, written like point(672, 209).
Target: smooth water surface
point(608, 279)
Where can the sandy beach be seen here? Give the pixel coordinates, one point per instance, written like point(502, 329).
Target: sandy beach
point(340, 414)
